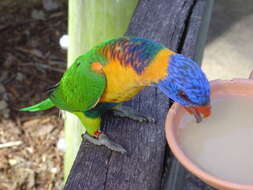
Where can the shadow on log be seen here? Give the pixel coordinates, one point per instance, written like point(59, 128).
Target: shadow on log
point(98, 168)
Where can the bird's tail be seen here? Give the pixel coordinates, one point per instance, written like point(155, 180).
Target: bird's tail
point(44, 105)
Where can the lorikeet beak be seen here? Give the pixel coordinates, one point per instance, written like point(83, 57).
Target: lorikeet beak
point(199, 111)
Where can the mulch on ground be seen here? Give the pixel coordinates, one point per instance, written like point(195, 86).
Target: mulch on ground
point(31, 61)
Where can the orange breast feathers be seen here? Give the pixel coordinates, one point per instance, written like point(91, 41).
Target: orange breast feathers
point(123, 81)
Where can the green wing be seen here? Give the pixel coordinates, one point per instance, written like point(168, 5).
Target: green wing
point(80, 88)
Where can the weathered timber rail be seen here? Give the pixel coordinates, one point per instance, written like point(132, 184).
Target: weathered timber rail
point(178, 24)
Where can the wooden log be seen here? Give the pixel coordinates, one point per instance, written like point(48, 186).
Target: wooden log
point(96, 167)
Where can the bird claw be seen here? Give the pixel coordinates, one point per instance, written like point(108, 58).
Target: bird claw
point(125, 111)
point(103, 139)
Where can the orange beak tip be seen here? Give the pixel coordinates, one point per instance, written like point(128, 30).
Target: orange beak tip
point(199, 112)
point(205, 110)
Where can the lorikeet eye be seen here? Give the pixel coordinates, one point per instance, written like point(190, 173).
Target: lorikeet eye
point(183, 96)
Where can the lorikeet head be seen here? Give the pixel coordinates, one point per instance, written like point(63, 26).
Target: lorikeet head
point(187, 85)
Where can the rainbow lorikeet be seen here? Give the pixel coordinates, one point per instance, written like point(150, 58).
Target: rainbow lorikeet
point(115, 71)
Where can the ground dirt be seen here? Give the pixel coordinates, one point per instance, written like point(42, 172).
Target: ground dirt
point(31, 61)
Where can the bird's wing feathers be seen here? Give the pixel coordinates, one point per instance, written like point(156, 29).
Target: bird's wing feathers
point(84, 82)
point(80, 88)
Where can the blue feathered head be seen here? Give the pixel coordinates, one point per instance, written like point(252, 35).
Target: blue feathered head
point(187, 84)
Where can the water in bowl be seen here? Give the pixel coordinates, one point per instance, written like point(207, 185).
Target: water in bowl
point(222, 144)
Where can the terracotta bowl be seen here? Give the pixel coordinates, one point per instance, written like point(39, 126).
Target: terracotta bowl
point(177, 113)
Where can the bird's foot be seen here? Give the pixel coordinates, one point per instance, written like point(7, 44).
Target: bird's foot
point(125, 111)
point(102, 139)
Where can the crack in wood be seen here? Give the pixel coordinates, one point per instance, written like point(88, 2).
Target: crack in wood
point(107, 170)
point(186, 28)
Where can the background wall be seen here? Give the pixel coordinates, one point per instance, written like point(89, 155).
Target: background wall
point(229, 50)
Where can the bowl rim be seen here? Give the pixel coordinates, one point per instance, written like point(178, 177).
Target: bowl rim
point(170, 131)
